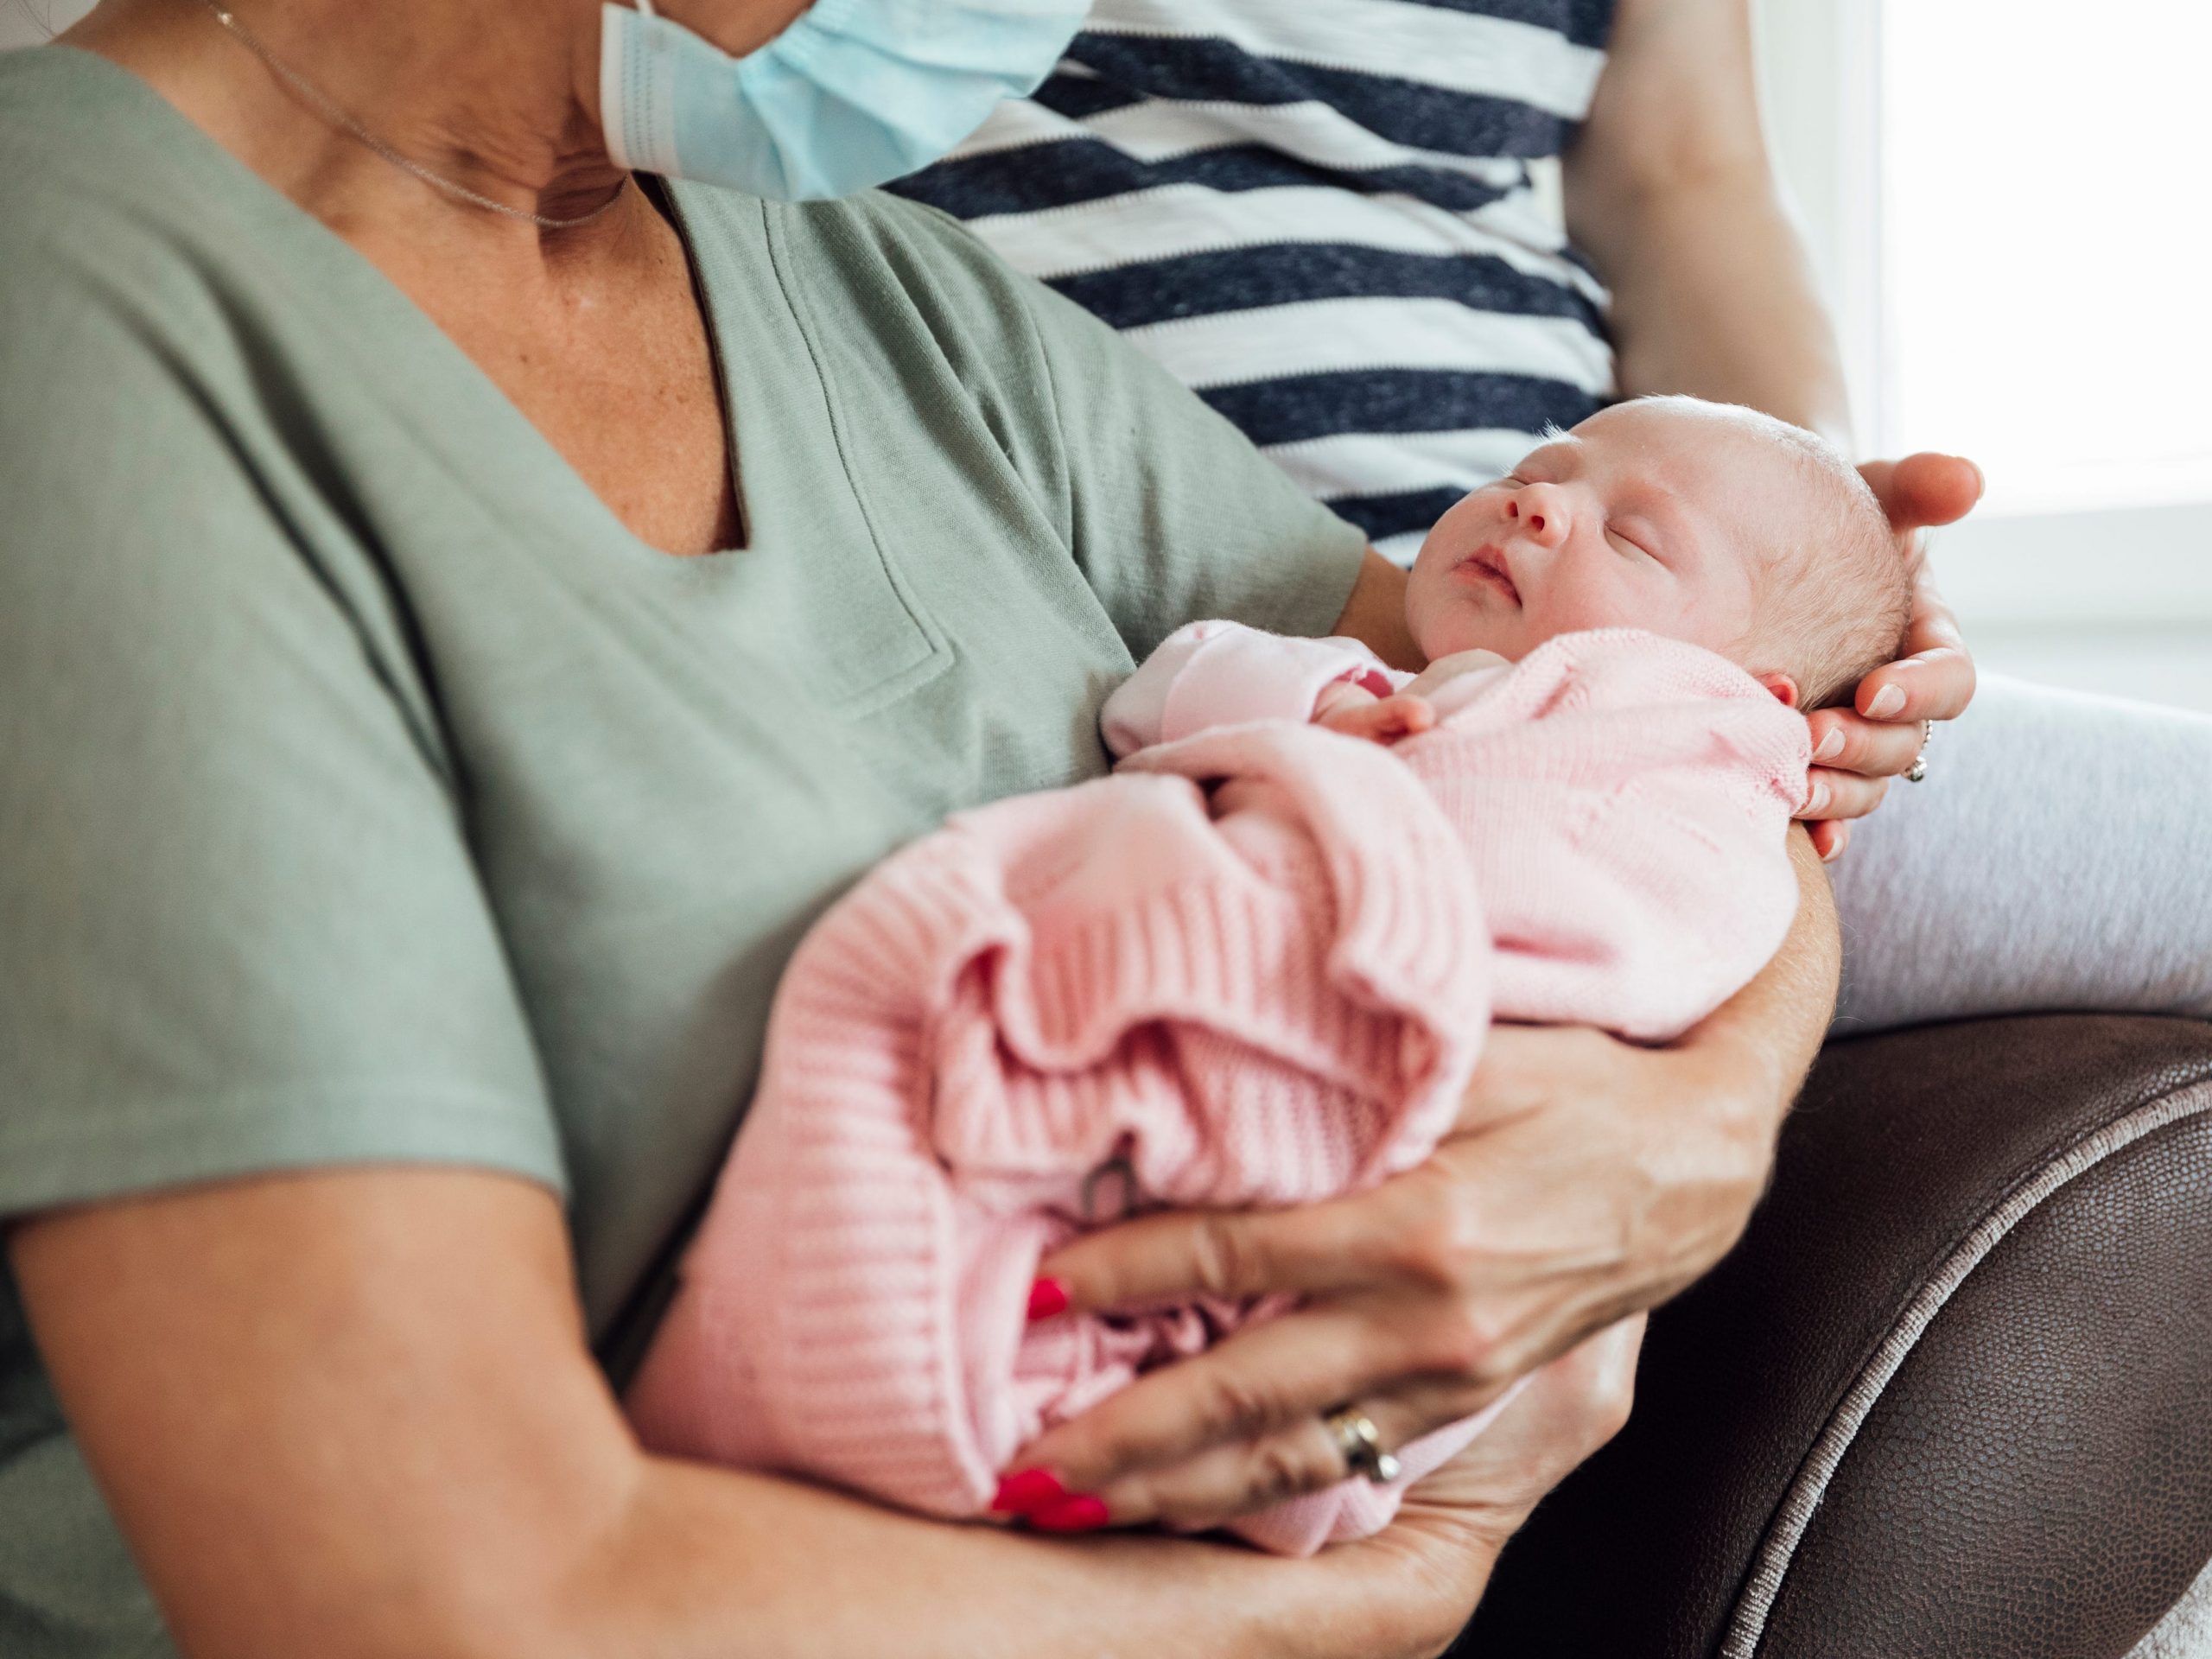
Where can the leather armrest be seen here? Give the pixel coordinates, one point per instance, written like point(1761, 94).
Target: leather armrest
point(1952, 1392)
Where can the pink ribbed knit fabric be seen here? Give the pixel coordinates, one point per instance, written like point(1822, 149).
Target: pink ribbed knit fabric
point(1255, 966)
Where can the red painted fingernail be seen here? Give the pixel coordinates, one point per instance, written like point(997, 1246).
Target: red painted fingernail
point(1082, 1513)
point(1027, 1490)
point(1046, 1298)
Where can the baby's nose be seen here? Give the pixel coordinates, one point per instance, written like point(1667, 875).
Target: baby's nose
point(1542, 512)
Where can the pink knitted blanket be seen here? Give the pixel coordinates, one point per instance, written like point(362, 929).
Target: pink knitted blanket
point(1254, 967)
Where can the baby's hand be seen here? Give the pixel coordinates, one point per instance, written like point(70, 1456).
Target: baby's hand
point(1357, 712)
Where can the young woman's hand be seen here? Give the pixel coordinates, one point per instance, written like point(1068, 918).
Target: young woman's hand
point(1858, 750)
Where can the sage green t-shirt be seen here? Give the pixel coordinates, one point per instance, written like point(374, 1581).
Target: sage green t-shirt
point(369, 793)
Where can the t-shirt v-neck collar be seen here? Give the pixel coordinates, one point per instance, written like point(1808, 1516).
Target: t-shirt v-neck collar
point(754, 330)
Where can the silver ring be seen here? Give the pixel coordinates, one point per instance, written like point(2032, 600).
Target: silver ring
point(1918, 769)
point(1361, 1442)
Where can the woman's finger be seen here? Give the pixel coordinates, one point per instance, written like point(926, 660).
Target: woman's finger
point(1237, 1478)
point(1843, 741)
point(1841, 794)
point(1226, 1481)
point(1831, 838)
point(1925, 489)
point(1934, 685)
point(1932, 626)
point(1336, 1244)
point(1259, 1382)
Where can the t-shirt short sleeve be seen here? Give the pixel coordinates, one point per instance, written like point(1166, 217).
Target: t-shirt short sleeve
point(239, 927)
point(1175, 516)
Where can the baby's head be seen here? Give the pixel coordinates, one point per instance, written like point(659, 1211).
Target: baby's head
point(1703, 522)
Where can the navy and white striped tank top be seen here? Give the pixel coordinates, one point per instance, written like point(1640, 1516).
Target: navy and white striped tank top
point(1320, 214)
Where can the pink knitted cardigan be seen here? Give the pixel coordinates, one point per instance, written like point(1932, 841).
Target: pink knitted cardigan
point(1254, 967)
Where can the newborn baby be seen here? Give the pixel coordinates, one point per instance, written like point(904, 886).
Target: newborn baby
point(1709, 523)
point(1257, 965)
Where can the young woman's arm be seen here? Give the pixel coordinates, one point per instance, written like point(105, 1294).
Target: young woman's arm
point(351, 1414)
point(1670, 191)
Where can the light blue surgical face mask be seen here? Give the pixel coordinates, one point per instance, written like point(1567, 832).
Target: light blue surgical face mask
point(854, 93)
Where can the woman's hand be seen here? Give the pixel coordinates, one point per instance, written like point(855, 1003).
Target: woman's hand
point(1858, 751)
point(1570, 1408)
point(1585, 1181)
point(1452, 1525)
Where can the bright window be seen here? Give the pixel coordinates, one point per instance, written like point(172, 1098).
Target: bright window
point(2046, 245)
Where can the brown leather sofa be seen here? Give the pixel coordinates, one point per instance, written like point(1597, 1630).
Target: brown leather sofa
point(1951, 1393)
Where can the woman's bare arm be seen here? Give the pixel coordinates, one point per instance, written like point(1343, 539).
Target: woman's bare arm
point(1376, 614)
point(351, 1414)
point(1670, 191)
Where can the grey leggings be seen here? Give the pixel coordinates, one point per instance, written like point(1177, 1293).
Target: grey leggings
point(2057, 856)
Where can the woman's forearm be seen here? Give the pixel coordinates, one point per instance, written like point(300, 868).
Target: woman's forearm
point(716, 1565)
point(1670, 191)
point(1765, 1036)
point(1720, 301)
point(374, 1434)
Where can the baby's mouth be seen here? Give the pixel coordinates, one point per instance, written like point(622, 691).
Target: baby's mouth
point(1487, 564)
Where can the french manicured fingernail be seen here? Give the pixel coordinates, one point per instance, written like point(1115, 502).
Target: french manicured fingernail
point(1831, 746)
point(1046, 1298)
point(1082, 1513)
point(1818, 800)
point(1888, 701)
point(1026, 1490)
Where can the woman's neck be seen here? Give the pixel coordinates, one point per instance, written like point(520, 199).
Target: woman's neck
point(499, 98)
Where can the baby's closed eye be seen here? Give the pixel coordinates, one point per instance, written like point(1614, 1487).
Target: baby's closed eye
point(1637, 537)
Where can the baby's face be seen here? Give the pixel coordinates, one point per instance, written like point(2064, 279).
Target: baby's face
point(1636, 518)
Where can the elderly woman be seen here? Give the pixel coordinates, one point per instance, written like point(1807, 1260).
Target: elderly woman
point(466, 607)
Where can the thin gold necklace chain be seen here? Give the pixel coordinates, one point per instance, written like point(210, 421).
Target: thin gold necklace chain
point(344, 121)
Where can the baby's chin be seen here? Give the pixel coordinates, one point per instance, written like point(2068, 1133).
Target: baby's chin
point(1462, 628)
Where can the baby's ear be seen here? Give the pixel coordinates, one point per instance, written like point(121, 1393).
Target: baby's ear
point(1785, 689)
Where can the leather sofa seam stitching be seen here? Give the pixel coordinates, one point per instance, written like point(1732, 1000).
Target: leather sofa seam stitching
point(1793, 1516)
